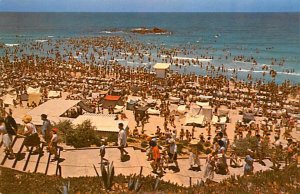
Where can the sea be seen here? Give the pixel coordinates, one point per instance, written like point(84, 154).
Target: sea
point(266, 37)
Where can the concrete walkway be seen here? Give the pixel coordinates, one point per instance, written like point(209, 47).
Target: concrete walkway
point(79, 162)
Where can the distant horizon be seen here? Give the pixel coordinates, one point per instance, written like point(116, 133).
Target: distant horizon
point(149, 12)
point(136, 6)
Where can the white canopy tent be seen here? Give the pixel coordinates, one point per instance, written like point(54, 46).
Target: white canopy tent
point(197, 119)
point(102, 122)
point(54, 94)
point(9, 99)
point(53, 109)
point(31, 90)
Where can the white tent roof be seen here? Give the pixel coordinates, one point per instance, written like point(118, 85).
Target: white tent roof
point(198, 119)
point(31, 90)
point(202, 104)
point(8, 99)
point(206, 97)
point(52, 108)
point(102, 122)
point(53, 94)
point(161, 66)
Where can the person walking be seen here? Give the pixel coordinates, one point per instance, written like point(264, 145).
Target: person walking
point(10, 123)
point(7, 140)
point(46, 128)
point(173, 153)
point(122, 141)
point(53, 144)
point(32, 138)
point(210, 165)
point(102, 152)
point(156, 163)
point(248, 168)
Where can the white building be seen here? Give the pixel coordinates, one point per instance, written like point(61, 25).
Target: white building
point(161, 69)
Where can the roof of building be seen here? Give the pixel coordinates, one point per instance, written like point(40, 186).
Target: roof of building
point(161, 66)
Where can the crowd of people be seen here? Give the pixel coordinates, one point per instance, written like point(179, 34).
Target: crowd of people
point(86, 66)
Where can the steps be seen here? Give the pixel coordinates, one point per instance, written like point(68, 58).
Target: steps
point(28, 161)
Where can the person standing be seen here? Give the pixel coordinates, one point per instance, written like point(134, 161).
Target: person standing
point(53, 144)
point(46, 128)
point(210, 165)
point(102, 152)
point(173, 153)
point(122, 140)
point(248, 169)
point(7, 140)
point(194, 159)
point(32, 138)
point(156, 163)
point(10, 123)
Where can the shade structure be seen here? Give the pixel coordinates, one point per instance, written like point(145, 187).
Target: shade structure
point(102, 122)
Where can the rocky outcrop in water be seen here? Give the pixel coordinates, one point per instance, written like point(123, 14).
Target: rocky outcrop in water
point(154, 30)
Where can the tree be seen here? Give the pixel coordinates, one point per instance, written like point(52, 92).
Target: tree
point(82, 135)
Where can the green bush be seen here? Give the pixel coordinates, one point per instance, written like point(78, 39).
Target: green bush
point(64, 127)
point(112, 137)
point(242, 145)
point(83, 135)
point(280, 181)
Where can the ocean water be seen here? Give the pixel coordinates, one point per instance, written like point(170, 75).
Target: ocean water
point(263, 36)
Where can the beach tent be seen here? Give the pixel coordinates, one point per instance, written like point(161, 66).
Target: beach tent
point(181, 109)
point(103, 92)
point(207, 112)
point(161, 69)
point(8, 99)
point(110, 100)
point(197, 119)
point(153, 111)
point(202, 104)
point(215, 119)
point(194, 110)
point(151, 102)
point(54, 94)
point(174, 99)
point(206, 97)
point(31, 90)
point(118, 109)
point(53, 108)
point(102, 122)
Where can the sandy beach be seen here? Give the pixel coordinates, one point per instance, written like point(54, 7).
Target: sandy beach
point(100, 72)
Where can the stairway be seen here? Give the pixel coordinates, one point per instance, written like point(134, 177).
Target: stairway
point(28, 161)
